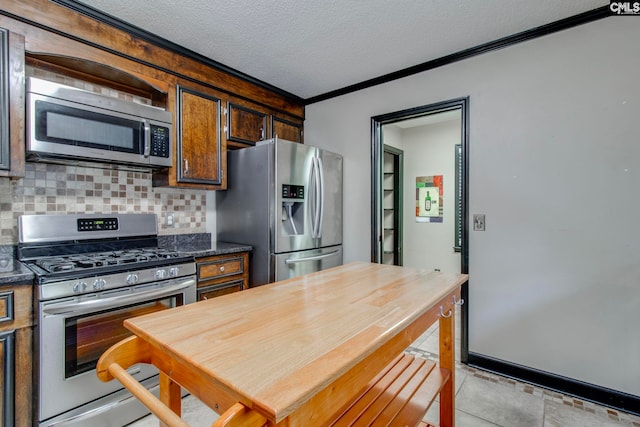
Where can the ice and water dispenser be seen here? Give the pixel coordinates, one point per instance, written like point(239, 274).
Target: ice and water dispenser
point(292, 209)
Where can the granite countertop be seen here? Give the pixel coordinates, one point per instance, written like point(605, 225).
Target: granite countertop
point(201, 245)
point(13, 272)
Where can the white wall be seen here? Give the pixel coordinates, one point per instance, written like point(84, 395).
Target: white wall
point(554, 165)
point(430, 150)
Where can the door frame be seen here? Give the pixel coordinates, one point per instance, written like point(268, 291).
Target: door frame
point(377, 157)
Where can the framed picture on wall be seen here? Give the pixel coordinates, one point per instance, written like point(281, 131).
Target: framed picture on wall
point(429, 192)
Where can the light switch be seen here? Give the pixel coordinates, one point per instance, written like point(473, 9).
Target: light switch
point(478, 222)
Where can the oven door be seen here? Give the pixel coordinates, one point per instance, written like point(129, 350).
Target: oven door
point(75, 331)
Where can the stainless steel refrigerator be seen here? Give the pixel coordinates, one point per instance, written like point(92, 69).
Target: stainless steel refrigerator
point(284, 199)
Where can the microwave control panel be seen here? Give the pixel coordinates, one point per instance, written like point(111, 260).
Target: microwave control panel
point(160, 141)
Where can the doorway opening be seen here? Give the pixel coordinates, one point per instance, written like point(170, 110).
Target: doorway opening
point(420, 191)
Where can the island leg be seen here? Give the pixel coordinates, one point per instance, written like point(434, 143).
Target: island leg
point(170, 395)
point(447, 360)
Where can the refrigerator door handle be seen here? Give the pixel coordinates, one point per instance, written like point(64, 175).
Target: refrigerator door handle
point(316, 199)
point(320, 197)
point(310, 258)
point(312, 197)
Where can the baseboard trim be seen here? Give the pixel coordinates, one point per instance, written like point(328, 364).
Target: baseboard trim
point(586, 391)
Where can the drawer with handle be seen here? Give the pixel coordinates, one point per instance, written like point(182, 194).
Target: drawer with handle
point(220, 268)
point(213, 291)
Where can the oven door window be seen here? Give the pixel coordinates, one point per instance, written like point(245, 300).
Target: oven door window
point(88, 336)
point(72, 126)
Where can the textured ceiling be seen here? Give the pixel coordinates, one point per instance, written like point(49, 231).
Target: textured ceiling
point(312, 47)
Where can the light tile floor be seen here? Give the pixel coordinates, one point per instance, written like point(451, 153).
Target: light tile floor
point(482, 400)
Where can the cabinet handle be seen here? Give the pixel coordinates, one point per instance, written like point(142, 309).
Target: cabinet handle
point(186, 166)
point(261, 134)
point(222, 268)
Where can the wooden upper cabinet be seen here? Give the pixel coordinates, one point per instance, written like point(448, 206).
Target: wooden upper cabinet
point(12, 117)
point(245, 126)
point(201, 152)
point(286, 129)
point(60, 39)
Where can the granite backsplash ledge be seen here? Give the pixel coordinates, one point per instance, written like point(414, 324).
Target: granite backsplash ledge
point(59, 189)
point(201, 245)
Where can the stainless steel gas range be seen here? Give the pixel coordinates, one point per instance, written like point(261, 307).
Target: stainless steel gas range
point(92, 272)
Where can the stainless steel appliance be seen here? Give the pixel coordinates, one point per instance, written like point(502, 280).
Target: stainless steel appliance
point(93, 272)
point(284, 199)
point(73, 124)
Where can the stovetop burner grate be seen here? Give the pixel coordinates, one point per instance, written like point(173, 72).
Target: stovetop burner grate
point(78, 262)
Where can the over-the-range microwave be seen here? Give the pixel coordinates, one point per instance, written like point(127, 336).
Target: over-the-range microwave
point(67, 123)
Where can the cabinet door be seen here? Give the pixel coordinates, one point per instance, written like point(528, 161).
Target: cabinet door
point(4, 100)
point(7, 360)
point(285, 129)
point(200, 153)
point(244, 125)
point(12, 160)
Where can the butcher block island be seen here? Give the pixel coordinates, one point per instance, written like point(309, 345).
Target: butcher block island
point(319, 349)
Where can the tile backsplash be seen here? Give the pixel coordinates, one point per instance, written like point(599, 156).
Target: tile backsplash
point(59, 189)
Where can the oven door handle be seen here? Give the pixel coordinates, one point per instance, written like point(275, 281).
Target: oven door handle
point(84, 307)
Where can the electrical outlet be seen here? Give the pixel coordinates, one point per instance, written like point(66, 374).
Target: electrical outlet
point(478, 222)
point(169, 220)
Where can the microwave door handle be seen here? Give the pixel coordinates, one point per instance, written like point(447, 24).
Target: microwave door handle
point(147, 138)
point(85, 307)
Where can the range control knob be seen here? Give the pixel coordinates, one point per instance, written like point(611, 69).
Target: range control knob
point(99, 284)
point(79, 287)
point(173, 272)
point(161, 274)
point(132, 279)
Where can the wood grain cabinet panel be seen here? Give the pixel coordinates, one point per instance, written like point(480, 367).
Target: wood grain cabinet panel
point(12, 122)
point(222, 274)
point(7, 365)
point(16, 356)
point(4, 100)
point(245, 126)
point(286, 129)
point(201, 153)
point(208, 292)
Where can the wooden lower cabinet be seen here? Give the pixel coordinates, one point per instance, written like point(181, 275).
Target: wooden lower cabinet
point(16, 323)
point(222, 274)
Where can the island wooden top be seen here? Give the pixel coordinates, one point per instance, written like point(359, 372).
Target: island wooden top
point(277, 347)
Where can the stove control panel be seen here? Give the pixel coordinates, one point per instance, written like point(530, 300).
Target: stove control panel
point(97, 224)
point(109, 282)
